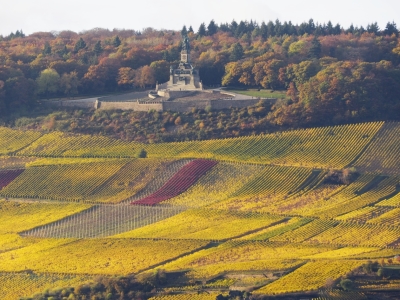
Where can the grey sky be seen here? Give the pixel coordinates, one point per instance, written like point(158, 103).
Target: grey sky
point(78, 15)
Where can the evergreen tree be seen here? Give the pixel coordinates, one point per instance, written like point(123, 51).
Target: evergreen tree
point(97, 48)
point(191, 29)
point(237, 52)
point(278, 28)
point(251, 26)
point(319, 30)
point(165, 55)
point(361, 30)
point(224, 27)
point(351, 29)
point(337, 29)
point(63, 51)
point(233, 26)
point(19, 34)
point(315, 50)
point(116, 41)
point(302, 29)
point(285, 28)
point(47, 49)
point(271, 28)
point(264, 30)
point(202, 30)
point(80, 44)
point(329, 28)
point(373, 28)
point(212, 28)
point(292, 28)
point(390, 29)
point(184, 31)
point(241, 29)
point(310, 27)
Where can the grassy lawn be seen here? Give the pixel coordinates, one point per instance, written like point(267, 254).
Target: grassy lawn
point(263, 93)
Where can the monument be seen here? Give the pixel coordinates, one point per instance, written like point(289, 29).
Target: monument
point(184, 77)
point(183, 92)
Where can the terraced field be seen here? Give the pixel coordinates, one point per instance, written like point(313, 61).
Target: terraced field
point(58, 182)
point(222, 181)
point(204, 224)
point(325, 147)
point(58, 144)
point(15, 162)
point(380, 156)
point(179, 183)
point(20, 216)
point(300, 280)
point(7, 176)
point(103, 221)
point(12, 141)
point(244, 256)
point(94, 256)
point(220, 212)
point(17, 285)
point(266, 187)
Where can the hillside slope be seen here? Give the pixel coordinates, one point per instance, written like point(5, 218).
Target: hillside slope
point(263, 213)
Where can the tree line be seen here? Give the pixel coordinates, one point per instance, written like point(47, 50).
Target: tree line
point(278, 28)
point(331, 74)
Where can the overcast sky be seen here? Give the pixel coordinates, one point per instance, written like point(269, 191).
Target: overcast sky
point(78, 15)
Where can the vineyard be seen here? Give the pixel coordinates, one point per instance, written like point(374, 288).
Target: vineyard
point(379, 156)
point(218, 184)
point(300, 280)
point(103, 221)
point(329, 147)
point(179, 183)
point(7, 176)
point(16, 285)
point(204, 224)
point(94, 256)
point(12, 141)
point(274, 214)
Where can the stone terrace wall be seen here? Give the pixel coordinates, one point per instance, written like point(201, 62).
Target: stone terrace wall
point(71, 103)
point(185, 106)
point(136, 106)
point(178, 106)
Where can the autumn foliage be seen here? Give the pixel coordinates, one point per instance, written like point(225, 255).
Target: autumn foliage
point(332, 74)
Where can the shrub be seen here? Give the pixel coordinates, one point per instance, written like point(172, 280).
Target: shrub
point(178, 121)
point(346, 284)
point(370, 267)
point(381, 272)
point(345, 176)
point(142, 154)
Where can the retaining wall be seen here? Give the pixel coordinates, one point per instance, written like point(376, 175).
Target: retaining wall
point(70, 103)
point(178, 106)
point(136, 106)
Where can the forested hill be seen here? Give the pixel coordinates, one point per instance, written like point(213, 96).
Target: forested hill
point(332, 74)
